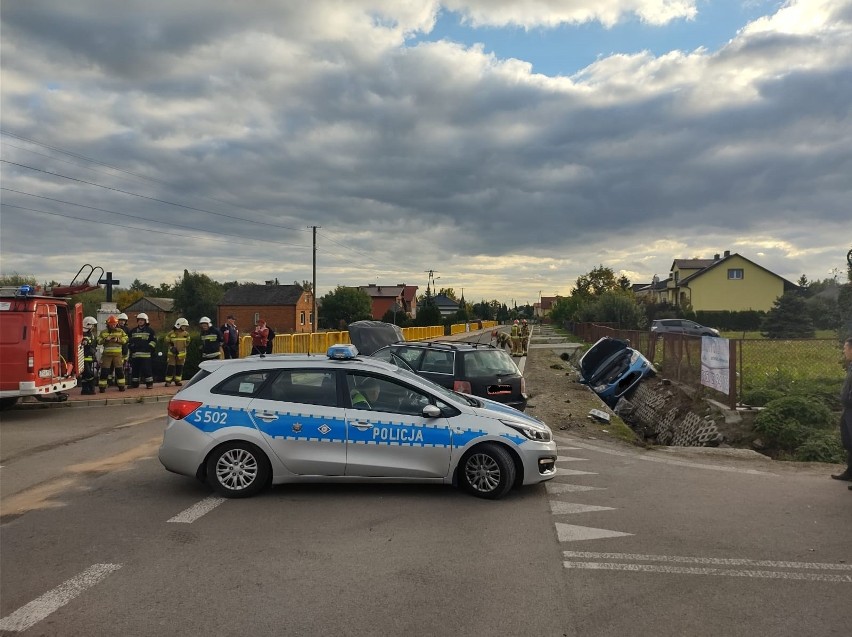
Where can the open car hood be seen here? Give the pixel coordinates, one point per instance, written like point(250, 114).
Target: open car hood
point(599, 353)
point(369, 336)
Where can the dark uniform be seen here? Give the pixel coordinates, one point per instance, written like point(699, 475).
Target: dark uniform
point(143, 342)
point(846, 420)
point(87, 378)
point(211, 343)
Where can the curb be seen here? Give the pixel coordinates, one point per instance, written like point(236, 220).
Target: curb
point(96, 402)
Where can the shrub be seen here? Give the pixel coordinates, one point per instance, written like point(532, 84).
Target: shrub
point(788, 422)
point(761, 396)
point(821, 446)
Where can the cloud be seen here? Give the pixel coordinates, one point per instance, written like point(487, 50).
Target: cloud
point(415, 156)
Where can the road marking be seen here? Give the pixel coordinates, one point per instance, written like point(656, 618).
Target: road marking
point(569, 459)
point(681, 463)
point(32, 613)
point(561, 487)
point(569, 448)
point(574, 472)
point(682, 570)
point(719, 561)
point(190, 515)
point(558, 507)
point(573, 533)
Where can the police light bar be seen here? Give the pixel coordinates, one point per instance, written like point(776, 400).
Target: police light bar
point(342, 352)
point(24, 290)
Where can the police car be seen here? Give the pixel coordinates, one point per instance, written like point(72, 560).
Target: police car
point(242, 424)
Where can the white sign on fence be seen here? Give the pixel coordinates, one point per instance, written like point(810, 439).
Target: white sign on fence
point(715, 366)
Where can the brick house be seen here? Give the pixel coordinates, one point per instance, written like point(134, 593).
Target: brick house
point(543, 308)
point(386, 297)
point(161, 315)
point(286, 308)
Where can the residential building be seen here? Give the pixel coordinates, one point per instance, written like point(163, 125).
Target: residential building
point(400, 298)
point(729, 282)
point(543, 308)
point(161, 315)
point(288, 309)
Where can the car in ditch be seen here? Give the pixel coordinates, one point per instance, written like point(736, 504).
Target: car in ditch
point(243, 424)
point(613, 369)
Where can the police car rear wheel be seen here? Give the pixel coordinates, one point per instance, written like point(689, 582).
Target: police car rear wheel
point(488, 471)
point(238, 470)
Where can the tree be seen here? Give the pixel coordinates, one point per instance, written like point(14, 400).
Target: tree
point(125, 298)
point(197, 295)
point(619, 308)
point(450, 293)
point(15, 280)
point(345, 305)
point(624, 282)
point(788, 318)
point(596, 282)
point(428, 313)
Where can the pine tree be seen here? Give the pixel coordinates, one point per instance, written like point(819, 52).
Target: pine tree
point(788, 318)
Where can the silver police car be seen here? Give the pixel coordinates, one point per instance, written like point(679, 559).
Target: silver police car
point(242, 424)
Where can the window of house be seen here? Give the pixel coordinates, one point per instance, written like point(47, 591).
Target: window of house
point(311, 320)
point(735, 273)
point(256, 317)
point(302, 318)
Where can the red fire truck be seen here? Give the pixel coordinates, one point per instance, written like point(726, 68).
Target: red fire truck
point(41, 349)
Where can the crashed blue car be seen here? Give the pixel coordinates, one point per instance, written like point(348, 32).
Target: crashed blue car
point(613, 369)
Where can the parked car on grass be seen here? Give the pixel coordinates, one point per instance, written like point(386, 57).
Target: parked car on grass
point(682, 326)
point(612, 369)
point(242, 424)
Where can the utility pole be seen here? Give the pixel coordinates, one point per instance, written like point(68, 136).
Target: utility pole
point(315, 316)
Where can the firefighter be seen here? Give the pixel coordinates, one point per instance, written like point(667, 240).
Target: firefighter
point(525, 337)
point(113, 339)
point(176, 344)
point(143, 342)
point(125, 351)
point(90, 344)
point(211, 340)
point(516, 339)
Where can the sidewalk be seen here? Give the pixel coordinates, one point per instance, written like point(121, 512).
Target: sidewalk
point(157, 394)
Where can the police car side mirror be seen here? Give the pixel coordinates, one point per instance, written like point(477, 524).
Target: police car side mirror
point(431, 411)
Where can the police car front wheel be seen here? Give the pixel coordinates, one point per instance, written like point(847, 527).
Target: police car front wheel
point(238, 470)
point(488, 471)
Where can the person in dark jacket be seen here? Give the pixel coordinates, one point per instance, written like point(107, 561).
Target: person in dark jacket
point(142, 344)
point(230, 338)
point(211, 340)
point(90, 343)
point(846, 416)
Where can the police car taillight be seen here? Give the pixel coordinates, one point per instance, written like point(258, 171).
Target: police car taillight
point(461, 386)
point(180, 409)
point(30, 362)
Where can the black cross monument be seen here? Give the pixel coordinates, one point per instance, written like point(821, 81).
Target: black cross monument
point(109, 282)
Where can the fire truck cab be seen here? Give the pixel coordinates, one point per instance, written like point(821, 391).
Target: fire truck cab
point(41, 336)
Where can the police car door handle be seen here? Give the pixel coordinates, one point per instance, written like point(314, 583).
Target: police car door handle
point(363, 425)
point(266, 416)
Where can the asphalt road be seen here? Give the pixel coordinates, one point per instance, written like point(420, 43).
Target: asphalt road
point(97, 539)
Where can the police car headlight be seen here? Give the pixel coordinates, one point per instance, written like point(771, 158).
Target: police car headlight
point(600, 388)
point(529, 430)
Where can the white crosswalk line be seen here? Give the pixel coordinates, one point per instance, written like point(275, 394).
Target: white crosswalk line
point(574, 533)
point(32, 613)
point(557, 507)
point(561, 487)
point(190, 515)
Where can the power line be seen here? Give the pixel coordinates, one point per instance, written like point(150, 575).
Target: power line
point(109, 223)
point(170, 203)
point(110, 166)
point(124, 214)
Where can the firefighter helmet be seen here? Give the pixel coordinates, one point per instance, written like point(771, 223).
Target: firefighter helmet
point(203, 320)
point(142, 317)
point(181, 322)
point(89, 321)
point(122, 317)
point(112, 320)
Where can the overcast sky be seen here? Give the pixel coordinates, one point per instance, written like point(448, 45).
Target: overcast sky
point(509, 146)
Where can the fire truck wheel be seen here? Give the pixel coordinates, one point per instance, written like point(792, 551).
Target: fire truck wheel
point(8, 403)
